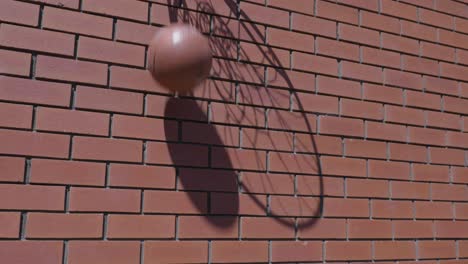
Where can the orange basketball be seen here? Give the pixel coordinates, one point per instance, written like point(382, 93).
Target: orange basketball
point(179, 57)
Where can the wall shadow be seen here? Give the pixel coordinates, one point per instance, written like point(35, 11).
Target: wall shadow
point(225, 33)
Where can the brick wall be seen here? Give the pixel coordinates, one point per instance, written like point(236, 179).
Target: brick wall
point(330, 131)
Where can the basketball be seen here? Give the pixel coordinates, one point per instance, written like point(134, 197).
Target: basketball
point(179, 58)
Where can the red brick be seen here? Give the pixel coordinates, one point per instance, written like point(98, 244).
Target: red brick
point(294, 206)
point(74, 4)
point(217, 90)
point(285, 79)
point(32, 197)
point(402, 79)
point(347, 250)
point(394, 250)
point(303, 6)
point(144, 128)
point(426, 136)
point(436, 249)
point(365, 148)
point(457, 105)
point(50, 225)
point(265, 139)
point(168, 107)
point(109, 51)
point(134, 79)
point(407, 152)
point(226, 69)
point(264, 15)
point(453, 71)
point(12, 169)
point(339, 207)
point(260, 54)
point(380, 22)
point(380, 57)
point(438, 85)
point(120, 8)
point(443, 120)
point(286, 120)
point(40, 252)
point(419, 31)
point(400, 44)
point(323, 228)
point(141, 226)
point(426, 172)
point(9, 225)
point(291, 40)
point(307, 143)
point(134, 32)
point(18, 12)
point(336, 12)
point(208, 180)
point(385, 131)
point(108, 100)
point(107, 149)
point(411, 229)
point(77, 22)
point(105, 252)
point(313, 63)
point(32, 91)
point(337, 49)
point(361, 109)
point(239, 251)
point(433, 210)
point(315, 103)
point(319, 185)
point(460, 174)
point(104, 200)
point(367, 188)
point(17, 63)
point(364, 4)
point(410, 190)
point(71, 70)
point(37, 39)
point(125, 175)
point(423, 100)
point(266, 228)
point(175, 202)
point(437, 51)
point(447, 156)
point(230, 158)
point(435, 18)
point(216, 227)
point(343, 166)
point(34, 143)
point(392, 209)
point(389, 170)
point(238, 204)
point(333, 86)
point(267, 183)
point(304, 251)
point(22, 117)
point(457, 139)
point(67, 172)
point(450, 229)
point(461, 210)
point(398, 9)
point(341, 126)
point(462, 249)
point(404, 115)
point(313, 25)
point(422, 3)
point(449, 192)
point(237, 115)
point(383, 93)
point(369, 229)
point(450, 7)
point(420, 65)
point(359, 35)
point(361, 72)
point(462, 56)
point(461, 25)
point(72, 121)
point(169, 251)
point(266, 97)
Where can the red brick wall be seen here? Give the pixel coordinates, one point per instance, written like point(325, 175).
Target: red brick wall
point(330, 131)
